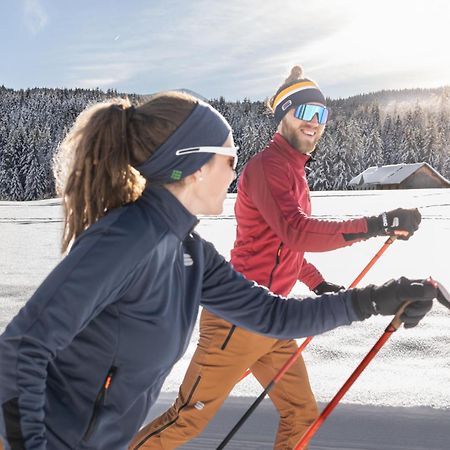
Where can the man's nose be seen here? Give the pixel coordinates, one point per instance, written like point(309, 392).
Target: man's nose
point(315, 119)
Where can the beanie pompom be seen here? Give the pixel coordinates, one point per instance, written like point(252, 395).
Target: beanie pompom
point(296, 74)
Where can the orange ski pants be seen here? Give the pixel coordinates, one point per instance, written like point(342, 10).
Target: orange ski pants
point(223, 353)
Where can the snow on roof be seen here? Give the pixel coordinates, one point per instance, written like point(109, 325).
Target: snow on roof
point(391, 174)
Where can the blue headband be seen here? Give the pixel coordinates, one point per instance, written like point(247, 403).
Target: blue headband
point(203, 127)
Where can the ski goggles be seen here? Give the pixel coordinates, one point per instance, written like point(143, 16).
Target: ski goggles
point(226, 151)
point(307, 112)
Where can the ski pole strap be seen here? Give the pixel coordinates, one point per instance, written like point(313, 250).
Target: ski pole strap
point(443, 296)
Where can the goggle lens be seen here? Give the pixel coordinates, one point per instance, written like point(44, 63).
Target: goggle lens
point(307, 112)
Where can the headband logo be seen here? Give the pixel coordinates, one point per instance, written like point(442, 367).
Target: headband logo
point(286, 105)
point(176, 175)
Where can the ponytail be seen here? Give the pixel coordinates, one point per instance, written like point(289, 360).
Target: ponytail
point(100, 176)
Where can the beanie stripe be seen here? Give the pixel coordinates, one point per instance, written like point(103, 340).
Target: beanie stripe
point(297, 87)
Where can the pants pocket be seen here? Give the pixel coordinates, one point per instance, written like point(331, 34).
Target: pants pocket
point(227, 339)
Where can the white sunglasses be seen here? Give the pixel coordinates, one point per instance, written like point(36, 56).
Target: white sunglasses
point(227, 151)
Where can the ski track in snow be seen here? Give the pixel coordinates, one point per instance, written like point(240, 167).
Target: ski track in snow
point(412, 369)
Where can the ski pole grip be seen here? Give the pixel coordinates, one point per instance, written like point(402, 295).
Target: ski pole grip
point(397, 321)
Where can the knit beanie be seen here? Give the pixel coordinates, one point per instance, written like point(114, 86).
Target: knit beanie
point(295, 91)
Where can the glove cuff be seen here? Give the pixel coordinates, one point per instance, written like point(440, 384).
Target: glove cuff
point(375, 225)
point(319, 288)
point(363, 304)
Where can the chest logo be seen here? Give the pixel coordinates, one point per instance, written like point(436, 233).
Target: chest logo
point(188, 261)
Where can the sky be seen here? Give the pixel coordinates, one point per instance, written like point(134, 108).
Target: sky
point(234, 48)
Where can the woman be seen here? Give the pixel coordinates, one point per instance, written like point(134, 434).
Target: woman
point(85, 359)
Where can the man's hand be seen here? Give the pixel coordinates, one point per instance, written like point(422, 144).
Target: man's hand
point(398, 222)
point(325, 287)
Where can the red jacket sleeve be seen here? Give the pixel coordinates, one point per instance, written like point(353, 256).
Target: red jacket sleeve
point(275, 200)
point(310, 275)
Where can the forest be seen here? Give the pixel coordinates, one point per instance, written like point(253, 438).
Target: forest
point(386, 127)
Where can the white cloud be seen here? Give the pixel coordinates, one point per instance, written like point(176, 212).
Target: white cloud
point(246, 49)
point(207, 44)
point(35, 16)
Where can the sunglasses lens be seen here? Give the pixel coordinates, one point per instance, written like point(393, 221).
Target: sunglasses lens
point(299, 112)
point(307, 113)
point(324, 116)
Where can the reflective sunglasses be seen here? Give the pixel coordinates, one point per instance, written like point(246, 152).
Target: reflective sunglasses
point(227, 151)
point(307, 112)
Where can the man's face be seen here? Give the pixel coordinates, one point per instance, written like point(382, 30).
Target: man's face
point(302, 135)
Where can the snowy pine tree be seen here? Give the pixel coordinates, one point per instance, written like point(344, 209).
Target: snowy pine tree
point(365, 130)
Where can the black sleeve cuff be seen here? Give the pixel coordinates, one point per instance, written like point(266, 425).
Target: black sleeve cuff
point(374, 228)
point(362, 303)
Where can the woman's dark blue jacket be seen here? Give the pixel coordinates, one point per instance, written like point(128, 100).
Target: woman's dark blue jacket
point(85, 358)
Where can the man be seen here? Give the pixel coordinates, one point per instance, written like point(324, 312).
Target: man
point(274, 229)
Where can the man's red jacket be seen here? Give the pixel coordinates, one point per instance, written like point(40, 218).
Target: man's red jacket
point(274, 223)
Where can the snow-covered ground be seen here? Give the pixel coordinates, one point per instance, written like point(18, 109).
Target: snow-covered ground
point(413, 369)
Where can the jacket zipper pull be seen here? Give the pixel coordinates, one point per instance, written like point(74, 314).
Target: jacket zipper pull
point(99, 401)
point(108, 379)
point(279, 252)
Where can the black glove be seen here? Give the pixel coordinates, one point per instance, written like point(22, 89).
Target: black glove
point(325, 287)
point(398, 222)
point(387, 299)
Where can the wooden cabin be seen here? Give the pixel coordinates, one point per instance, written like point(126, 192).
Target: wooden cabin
point(399, 176)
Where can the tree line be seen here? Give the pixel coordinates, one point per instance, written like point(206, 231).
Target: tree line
point(388, 127)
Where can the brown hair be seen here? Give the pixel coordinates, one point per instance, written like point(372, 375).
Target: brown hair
point(295, 75)
point(93, 165)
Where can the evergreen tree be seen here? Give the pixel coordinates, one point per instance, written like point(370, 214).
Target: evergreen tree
point(35, 182)
point(320, 170)
point(407, 145)
point(372, 143)
point(11, 187)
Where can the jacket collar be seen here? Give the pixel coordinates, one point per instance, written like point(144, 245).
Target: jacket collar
point(177, 217)
point(294, 156)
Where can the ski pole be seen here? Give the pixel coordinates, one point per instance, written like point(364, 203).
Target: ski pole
point(296, 354)
point(443, 298)
point(391, 328)
point(387, 243)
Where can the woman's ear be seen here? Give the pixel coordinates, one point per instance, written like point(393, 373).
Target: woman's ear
point(198, 175)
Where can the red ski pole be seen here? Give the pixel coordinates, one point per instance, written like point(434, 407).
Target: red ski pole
point(296, 354)
point(355, 282)
point(391, 328)
point(443, 298)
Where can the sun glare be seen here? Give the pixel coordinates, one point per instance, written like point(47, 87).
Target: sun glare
point(405, 43)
